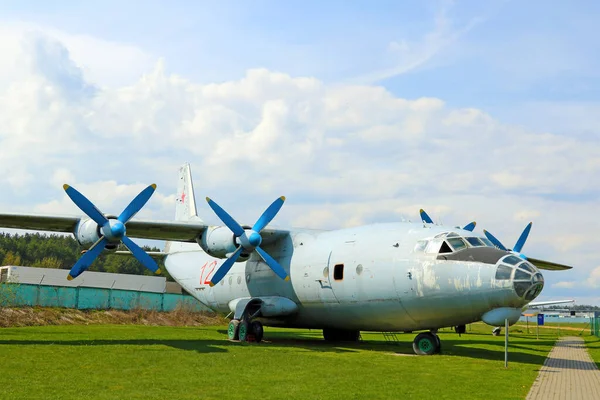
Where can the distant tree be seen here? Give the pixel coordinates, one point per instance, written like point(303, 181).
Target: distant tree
point(61, 251)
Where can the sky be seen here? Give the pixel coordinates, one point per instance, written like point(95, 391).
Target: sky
point(358, 112)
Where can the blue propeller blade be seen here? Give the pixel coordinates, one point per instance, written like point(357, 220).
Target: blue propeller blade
point(141, 255)
point(470, 226)
point(424, 217)
point(494, 240)
point(522, 238)
point(226, 218)
point(137, 204)
point(269, 214)
point(225, 267)
point(87, 259)
point(85, 205)
point(274, 265)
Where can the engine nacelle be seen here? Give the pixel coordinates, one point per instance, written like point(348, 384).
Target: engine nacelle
point(87, 233)
point(218, 241)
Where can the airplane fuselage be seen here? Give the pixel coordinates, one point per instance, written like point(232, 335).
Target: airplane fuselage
point(370, 278)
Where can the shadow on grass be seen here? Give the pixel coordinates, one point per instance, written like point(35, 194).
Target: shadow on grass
point(476, 346)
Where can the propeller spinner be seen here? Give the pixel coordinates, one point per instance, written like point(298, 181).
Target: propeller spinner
point(248, 239)
point(112, 231)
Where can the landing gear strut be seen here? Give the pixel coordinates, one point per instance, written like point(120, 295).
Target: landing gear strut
point(427, 343)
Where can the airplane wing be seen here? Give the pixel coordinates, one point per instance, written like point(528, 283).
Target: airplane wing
point(548, 303)
point(548, 265)
point(183, 231)
point(180, 231)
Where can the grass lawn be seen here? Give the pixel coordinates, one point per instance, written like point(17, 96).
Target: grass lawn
point(154, 362)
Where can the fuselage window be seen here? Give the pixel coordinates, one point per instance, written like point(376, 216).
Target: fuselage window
point(475, 242)
point(457, 243)
point(338, 272)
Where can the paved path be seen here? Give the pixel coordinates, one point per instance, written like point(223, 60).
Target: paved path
point(568, 373)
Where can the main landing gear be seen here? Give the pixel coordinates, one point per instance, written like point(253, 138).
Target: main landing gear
point(244, 326)
point(245, 331)
point(427, 343)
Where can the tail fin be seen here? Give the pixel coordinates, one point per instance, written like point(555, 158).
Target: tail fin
point(185, 208)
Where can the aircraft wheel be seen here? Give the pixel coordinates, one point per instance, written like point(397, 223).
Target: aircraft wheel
point(426, 344)
point(496, 331)
point(233, 329)
point(244, 330)
point(439, 344)
point(257, 330)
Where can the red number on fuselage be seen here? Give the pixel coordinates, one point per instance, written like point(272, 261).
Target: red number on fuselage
point(208, 264)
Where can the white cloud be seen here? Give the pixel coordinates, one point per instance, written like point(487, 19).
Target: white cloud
point(594, 278)
point(102, 62)
point(565, 284)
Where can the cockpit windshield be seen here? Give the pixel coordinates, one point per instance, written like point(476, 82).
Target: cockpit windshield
point(449, 242)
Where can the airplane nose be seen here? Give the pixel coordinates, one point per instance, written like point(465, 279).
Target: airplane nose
point(527, 280)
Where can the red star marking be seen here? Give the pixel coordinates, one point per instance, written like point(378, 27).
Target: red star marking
point(182, 197)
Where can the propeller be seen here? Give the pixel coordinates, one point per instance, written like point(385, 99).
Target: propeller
point(427, 219)
point(112, 231)
point(518, 245)
point(248, 239)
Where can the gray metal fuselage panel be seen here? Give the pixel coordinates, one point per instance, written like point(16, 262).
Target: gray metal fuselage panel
point(386, 285)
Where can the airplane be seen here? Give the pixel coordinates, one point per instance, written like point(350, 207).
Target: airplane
point(385, 277)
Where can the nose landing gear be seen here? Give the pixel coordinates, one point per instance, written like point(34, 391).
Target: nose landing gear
point(427, 343)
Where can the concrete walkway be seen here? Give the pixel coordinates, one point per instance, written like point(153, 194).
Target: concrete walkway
point(568, 373)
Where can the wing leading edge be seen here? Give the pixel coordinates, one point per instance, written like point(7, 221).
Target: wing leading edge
point(178, 231)
point(181, 231)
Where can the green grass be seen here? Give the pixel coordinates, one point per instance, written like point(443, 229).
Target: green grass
point(593, 346)
point(142, 362)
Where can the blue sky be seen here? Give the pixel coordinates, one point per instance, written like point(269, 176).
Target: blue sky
point(358, 111)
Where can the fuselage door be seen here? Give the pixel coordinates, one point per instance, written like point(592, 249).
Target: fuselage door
point(316, 282)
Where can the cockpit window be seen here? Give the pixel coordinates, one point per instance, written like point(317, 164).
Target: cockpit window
point(528, 267)
point(457, 243)
point(520, 274)
point(445, 248)
point(487, 242)
point(454, 242)
point(475, 242)
point(421, 245)
point(512, 260)
point(503, 272)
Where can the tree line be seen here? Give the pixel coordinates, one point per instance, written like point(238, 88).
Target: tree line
point(62, 252)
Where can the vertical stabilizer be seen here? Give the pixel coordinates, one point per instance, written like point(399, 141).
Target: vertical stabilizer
point(185, 208)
